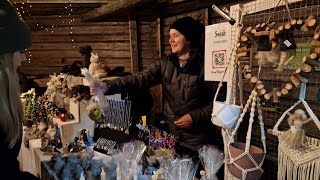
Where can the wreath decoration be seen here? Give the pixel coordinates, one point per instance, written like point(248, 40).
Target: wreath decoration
point(270, 40)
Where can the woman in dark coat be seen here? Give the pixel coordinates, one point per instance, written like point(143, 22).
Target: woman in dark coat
point(15, 37)
point(187, 97)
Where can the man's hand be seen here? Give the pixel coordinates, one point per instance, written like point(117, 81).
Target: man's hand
point(98, 87)
point(184, 122)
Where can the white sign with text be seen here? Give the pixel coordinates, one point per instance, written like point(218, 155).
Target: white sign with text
point(217, 51)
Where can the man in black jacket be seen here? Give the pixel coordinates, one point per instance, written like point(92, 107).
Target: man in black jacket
point(187, 97)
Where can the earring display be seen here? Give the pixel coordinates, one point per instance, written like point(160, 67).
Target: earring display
point(118, 116)
point(104, 145)
point(115, 123)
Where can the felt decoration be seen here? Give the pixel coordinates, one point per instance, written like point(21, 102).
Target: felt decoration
point(96, 165)
point(66, 172)
point(95, 69)
point(86, 54)
point(266, 54)
point(59, 163)
point(78, 172)
point(295, 136)
point(84, 135)
point(95, 112)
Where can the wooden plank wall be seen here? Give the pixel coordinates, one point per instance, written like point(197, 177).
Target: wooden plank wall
point(148, 52)
point(147, 36)
point(53, 49)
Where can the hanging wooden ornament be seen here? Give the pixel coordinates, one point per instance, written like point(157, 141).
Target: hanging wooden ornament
point(283, 49)
point(302, 161)
point(245, 161)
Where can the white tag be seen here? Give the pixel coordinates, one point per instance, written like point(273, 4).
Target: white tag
point(293, 129)
point(287, 43)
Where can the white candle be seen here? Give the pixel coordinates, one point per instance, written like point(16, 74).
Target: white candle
point(82, 176)
point(103, 175)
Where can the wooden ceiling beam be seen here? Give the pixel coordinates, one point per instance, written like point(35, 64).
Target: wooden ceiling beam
point(113, 7)
point(60, 1)
point(170, 1)
point(189, 6)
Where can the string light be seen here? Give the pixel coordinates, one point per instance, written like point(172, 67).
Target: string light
point(29, 55)
point(71, 26)
point(23, 11)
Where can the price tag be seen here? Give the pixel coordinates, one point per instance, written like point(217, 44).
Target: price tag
point(287, 43)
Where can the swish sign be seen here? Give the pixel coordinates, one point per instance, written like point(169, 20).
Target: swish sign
point(217, 50)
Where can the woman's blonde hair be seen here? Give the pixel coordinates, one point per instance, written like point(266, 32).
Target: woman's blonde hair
point(11, 113)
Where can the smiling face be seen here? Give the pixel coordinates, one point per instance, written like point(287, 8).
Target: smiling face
point(179, 44)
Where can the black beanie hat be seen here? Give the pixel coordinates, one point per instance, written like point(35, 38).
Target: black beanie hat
point(14, 33)
point(190, 28)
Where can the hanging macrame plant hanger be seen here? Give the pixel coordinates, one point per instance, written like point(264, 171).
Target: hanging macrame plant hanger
point(244, 160)
point(298, 163)
point(225, 114)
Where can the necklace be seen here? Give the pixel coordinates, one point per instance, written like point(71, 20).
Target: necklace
point(182, 62)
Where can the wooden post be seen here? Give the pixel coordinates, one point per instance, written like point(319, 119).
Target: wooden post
point(160, 52)
point(206, 16)
point(134, 49)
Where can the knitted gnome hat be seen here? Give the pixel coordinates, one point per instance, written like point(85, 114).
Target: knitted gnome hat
point(191, 29)
point(14, 33)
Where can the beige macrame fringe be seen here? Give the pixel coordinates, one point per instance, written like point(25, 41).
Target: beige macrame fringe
point(287, 169)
